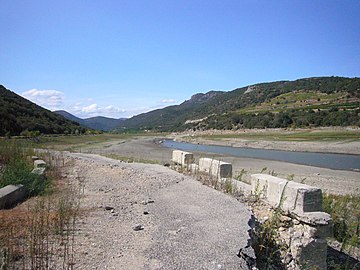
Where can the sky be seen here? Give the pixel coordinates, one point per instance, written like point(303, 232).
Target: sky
point(119, 58)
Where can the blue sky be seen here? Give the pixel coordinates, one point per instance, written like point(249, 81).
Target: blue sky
point(121, 58)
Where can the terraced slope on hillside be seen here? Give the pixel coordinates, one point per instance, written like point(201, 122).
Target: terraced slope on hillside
point(323, 101)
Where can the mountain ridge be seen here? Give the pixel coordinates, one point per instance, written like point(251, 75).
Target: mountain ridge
point(225, 110)
point(96, 122)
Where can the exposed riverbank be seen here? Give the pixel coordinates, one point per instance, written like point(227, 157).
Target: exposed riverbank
point(324, 140)
point(148, 150)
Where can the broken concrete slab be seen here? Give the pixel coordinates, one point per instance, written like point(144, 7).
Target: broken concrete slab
point(11, 195)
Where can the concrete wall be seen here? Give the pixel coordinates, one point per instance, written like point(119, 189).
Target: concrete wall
point(215, 167)
point(290, 196)
point(10, 195)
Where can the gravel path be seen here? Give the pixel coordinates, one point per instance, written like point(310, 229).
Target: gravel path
point(183, 224)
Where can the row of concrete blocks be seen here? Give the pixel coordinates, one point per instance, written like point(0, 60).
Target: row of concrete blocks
point(300, 201)
point(292, 197)
point(216, 168)
point(12, 194)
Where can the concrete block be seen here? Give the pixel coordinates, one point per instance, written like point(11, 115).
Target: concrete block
point(241, 186)
point(194, 168)
point(10, 195)
point(182, 157)
point(39, 164)
point(34, 158)
point(39, 171)
point(291, 196)
point(215, 167)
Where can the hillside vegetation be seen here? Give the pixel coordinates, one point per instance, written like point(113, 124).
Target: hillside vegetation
point(324, 101)
point(19, 116)
point(98, 122)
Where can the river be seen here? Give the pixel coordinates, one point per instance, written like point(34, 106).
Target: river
point(323, 160)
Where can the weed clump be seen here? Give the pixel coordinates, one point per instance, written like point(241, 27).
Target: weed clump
point(345, 213)
point(16, 168)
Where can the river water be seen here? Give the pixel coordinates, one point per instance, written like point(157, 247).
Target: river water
point(324, 160)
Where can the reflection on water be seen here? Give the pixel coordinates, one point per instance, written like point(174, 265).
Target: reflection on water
point(324, 160)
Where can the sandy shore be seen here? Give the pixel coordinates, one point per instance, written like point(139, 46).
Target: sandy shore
point(331, 181)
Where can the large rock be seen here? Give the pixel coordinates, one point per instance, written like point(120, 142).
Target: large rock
point(216, 168)
point(11, 195)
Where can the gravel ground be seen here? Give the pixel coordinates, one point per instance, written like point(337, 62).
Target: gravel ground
point(183, 224)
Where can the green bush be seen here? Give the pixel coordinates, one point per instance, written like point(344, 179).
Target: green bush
point(345, 212)
point(17, 167)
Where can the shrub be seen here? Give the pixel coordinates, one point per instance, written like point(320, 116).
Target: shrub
point(345, 212)
point(17, 168)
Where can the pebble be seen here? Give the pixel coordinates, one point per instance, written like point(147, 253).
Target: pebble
point(138, 227)
point(109, 208)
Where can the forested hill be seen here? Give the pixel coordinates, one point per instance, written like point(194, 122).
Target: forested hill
point(97, 122)
point(18, 115)
point(322, 101)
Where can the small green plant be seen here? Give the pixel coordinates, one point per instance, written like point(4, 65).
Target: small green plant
point(273, 173)
point(345, 213)
point(229, 186)
point(258, 193)
point(239, 177)
point(14, 157)
point(290, 177)
point(4, 260)
point(303, 180)
point(268, 249)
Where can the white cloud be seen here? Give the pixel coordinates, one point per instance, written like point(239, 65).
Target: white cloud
point(96, 110)
point(113, 109)
point(50, 99)
point(168, 101)
point(91, 108)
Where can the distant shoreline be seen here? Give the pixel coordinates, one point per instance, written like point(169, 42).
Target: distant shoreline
point(267, 139)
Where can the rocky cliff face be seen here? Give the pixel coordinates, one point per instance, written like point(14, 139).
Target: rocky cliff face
point(201, 97)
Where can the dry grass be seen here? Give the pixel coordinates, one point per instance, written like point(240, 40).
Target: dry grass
point(40, 233)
